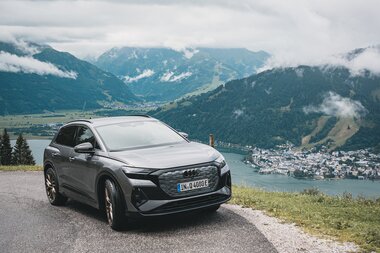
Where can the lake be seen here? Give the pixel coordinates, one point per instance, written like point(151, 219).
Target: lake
point(243, 174)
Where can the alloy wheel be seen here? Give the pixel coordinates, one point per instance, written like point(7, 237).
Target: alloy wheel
point(109, 206)
point(50, 187)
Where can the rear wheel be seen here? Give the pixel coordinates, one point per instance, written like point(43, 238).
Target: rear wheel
point(52, 191)
point(113, 205)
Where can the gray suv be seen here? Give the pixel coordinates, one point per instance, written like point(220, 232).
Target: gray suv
point(133, 166)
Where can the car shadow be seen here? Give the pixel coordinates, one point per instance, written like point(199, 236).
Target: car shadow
point(155, 224)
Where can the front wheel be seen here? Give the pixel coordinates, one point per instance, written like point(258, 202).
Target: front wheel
point(52, 191)
point(113, 205)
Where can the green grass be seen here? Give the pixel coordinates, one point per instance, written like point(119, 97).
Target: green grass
point(21, 168)
point(342, 217)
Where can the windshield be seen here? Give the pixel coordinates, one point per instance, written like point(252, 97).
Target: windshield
point(139, 134)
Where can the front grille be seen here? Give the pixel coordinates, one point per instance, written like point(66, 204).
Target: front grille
point(168, 180)
point(191, 203)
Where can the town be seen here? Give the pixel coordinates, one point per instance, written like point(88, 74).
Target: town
point(316, 164)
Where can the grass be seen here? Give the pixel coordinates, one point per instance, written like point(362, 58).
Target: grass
point(342, 217)
point(21, 168)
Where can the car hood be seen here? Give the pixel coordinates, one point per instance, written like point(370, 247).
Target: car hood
point(168, 156)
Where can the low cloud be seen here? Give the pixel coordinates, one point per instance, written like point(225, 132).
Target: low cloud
point(27, 64)
point(170, 77)
point(366, 60)
point(146, 73)
point(335, 105)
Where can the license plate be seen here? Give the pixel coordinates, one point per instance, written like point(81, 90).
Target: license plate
point(188, 186)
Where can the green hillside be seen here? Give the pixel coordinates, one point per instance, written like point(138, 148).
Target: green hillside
point(269, 109)
point(22, 92)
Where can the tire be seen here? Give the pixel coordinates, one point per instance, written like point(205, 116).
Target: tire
point(213, 209)
point(52, 190)
point(114, 205)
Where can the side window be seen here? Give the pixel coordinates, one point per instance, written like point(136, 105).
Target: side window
point(84, 134)
point(66, 136)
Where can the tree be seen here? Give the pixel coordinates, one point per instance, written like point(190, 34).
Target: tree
point(22, 155)
point(5, 149)
point(1, 142)
point(27, 154)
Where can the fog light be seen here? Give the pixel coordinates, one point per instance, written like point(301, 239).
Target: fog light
point(138, 197)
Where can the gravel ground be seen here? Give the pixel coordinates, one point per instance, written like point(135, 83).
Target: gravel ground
point(30, 224)
point(288, 237)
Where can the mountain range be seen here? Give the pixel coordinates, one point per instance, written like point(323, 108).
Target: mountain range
point(163, 74)
point(36, 78)
point(334, 105)
point(307, 106)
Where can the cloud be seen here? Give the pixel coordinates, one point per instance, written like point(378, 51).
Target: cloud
point(146, 73)
point(27, 64)
point(366, 60)
point(293, 30)
point(170, 77)
point(335, 105)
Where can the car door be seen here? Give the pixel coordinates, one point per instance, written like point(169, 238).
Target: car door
point(64, 144)
point(85, 167)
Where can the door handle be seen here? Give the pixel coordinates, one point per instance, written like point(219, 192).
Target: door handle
point(71, 158)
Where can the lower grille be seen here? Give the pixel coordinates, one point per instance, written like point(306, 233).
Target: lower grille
point(190, 203)
point(168, 180)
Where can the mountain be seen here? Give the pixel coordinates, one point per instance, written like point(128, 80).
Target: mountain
point(308, 106)
point(163, 74)
point(36, 78)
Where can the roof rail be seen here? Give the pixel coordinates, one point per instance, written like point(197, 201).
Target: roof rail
point(140, 115)
point(84, 120)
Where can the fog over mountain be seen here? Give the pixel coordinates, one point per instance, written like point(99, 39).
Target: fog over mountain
point(294, 32)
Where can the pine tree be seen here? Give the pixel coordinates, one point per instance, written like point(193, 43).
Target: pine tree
point(6, 149)
point(17, 151)
point(1, 142)
point(22, 155)
point(27, 154)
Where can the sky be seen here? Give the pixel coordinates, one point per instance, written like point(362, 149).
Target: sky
point(293, 31)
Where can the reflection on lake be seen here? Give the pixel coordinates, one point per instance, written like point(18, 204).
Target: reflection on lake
point(243, 174)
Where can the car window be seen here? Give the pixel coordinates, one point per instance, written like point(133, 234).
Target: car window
point(128, 135)
point(66, 136)
point(84, 134)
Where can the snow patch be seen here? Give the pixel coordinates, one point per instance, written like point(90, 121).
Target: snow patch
point(189, 52)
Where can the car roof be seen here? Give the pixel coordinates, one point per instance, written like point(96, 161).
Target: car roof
point(113, 120)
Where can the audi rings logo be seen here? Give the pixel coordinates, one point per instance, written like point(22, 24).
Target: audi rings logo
point(191, 173)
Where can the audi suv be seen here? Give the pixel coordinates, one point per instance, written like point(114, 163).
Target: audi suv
point(133, 166)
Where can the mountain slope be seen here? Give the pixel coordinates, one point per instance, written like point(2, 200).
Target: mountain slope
point(307, 106)
point(165, 74)
point(36, 78)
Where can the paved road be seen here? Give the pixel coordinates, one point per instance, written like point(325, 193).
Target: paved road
point(28, 223)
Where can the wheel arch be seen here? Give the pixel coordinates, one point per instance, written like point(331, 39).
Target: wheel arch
point(48, 165)
point(100, 183)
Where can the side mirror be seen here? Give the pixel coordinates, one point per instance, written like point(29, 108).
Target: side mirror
point(184, 134)
point(85, 147)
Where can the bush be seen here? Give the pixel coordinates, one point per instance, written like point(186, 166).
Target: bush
point(312, 191)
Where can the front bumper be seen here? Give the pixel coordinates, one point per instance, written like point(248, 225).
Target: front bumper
point(158, 203)
point(165, 207)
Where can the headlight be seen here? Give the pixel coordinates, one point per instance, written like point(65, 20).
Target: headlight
point(133, 172)
point(221, 162)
